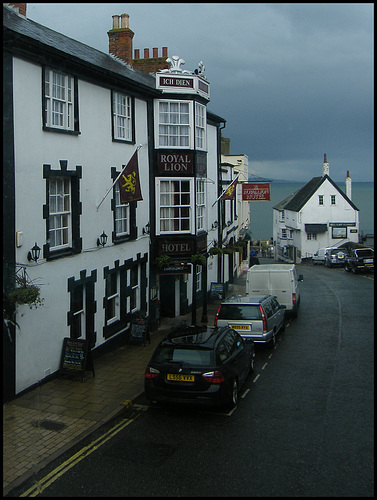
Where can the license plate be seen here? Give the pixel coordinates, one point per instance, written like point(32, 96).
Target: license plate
point(176, 377)
point(369, 264)
point(241, 327)
point(368, 261)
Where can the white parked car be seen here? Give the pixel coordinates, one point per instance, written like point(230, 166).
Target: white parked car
point(319, 256)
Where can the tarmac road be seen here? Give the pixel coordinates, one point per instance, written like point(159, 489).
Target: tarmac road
point(303, 425)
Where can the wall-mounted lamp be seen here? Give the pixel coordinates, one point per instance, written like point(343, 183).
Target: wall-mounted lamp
point(102, 240)
point(146, 229)
point(34, 253)
point(215, 224)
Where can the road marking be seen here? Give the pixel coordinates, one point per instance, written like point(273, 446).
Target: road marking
point(264, 366)
point(256, 378)
point(270, 356)
point(43, 483)
point(244, 394)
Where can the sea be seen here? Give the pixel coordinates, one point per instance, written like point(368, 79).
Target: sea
point(261, 216)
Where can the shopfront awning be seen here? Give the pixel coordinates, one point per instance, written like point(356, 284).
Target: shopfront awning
point(315, 228)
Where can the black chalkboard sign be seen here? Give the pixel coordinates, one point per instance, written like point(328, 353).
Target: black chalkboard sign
point(218, 291)
point(76, 357)
point(139, 330)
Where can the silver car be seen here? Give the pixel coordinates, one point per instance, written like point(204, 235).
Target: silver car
point(259, 318)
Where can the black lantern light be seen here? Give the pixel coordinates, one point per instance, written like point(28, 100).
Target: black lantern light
point(34, 253)
point(102, 240)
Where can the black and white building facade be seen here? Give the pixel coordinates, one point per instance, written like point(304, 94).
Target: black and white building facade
point(72, 119)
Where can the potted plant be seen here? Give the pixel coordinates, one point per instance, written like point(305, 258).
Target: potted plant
point(27, 294)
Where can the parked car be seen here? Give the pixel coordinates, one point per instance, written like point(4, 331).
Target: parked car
point(256, 318)
point(199, 365)
point(319, 256)
point(360, 259)
point(335, 257)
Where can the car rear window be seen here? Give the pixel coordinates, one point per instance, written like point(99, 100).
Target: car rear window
point(365, 253)
point(186, 356)
point(239, 311)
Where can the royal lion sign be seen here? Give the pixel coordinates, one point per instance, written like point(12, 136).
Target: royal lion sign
point(259, 191)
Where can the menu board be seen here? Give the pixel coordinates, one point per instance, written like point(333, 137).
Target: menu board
point(75, 357)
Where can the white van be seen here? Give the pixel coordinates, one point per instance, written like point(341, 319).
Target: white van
point(280, 280)
point(319, 256)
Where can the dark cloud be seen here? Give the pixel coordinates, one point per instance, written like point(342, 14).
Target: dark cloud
point(293, 81)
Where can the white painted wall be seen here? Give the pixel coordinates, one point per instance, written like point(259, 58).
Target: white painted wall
point(41, 333)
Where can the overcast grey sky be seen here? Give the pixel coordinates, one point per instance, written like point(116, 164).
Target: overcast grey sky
point(293, 81)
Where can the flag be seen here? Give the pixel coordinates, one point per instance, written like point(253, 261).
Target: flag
point(228, 194)
point(230, 190)
point(129, 182)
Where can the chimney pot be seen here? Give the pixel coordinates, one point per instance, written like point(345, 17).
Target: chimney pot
point(146, 53)
point(155, 52)
point(137, 53)
point(125, 20)
point(115, 22)
point(164, 52)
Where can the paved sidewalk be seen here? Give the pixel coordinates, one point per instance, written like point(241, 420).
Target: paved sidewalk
point(45, 422)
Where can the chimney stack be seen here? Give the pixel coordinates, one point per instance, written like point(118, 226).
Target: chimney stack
point(120, 38)
point(348, 185)
point(325, 167)
point(21, 7)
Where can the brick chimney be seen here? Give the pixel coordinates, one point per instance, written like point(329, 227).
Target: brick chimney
point(151, 64)
point(20, 6)
point(120, 38)
point(348, 185)
point(325, 167)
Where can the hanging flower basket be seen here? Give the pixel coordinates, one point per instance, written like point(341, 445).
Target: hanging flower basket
point(163, 261)
point(29, 294)
point(215, 251)
point(198, 259)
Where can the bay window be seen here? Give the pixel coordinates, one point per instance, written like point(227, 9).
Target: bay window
point(174, 120)
point(175, 208)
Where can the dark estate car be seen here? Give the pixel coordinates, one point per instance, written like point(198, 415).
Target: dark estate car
point(199, 365)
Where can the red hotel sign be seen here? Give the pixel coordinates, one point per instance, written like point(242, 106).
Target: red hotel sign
point(257, 191)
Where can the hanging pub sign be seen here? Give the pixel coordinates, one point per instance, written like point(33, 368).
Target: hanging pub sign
point(256, 191)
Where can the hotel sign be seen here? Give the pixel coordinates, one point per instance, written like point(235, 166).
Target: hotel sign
point(256, 191)
point(175, 162)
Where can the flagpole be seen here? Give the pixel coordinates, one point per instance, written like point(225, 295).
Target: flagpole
point(222, 194)
point(103, 199)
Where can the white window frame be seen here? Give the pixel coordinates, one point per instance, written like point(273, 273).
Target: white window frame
point(200, 204)
point(200, 126)
point(198, 277)
point(333, 199)
point(114, 297)
point(59, 97)
point(171, 124)
point(60, 213)
point(165, 200)
point(283, 233)
point(311, 236)
point(122, 215)
point(135, 289)
point(320, 200)
point(122, 117)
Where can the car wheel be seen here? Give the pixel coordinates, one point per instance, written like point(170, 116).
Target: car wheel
point(346, 268)
point(252, 363)
point(272, 342)
point(233, 398)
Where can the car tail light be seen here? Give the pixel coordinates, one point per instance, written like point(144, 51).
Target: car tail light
point(214, 377)
point(263, 319)
point(151, 372)
point(293, 298)
point(217, 315)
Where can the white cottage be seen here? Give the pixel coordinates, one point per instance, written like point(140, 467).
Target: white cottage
point(318, 215)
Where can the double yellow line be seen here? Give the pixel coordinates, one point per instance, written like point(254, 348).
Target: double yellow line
point(43, 483)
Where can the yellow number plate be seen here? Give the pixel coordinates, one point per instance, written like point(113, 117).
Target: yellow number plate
point(180, 378)
point(240, 327)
